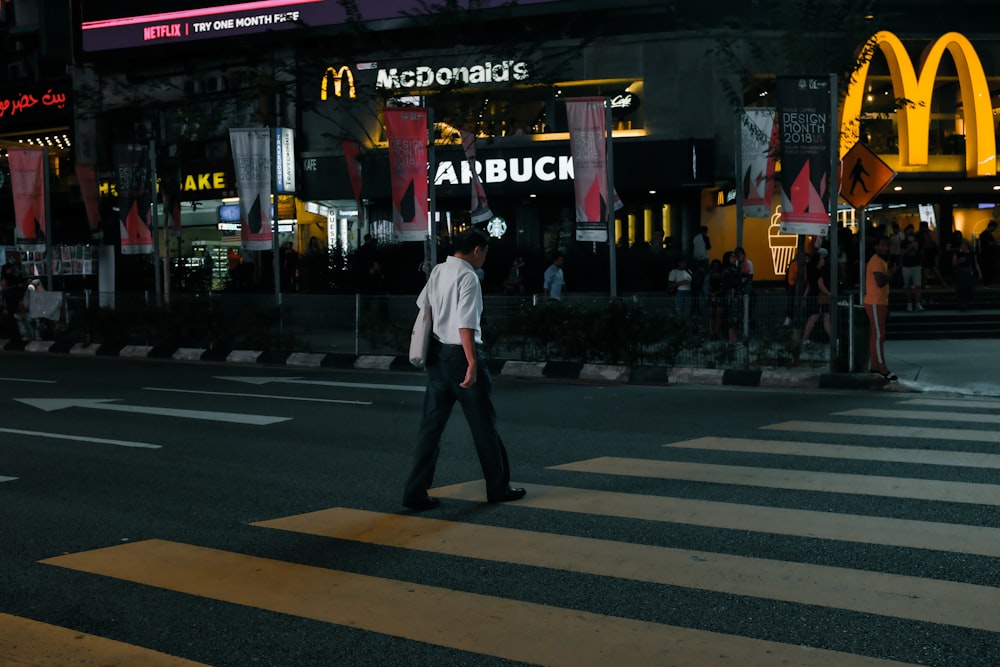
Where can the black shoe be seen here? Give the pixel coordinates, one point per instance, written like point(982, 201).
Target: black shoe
point(510, 494)
point(889, 377)
point(422, 504)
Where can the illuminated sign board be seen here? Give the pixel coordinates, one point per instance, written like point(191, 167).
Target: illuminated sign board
point(285, 160)
point(914, 118)
point(343, 83)
point(107, 25)
point(504, 71)
point(545, 168)
point(32, 104)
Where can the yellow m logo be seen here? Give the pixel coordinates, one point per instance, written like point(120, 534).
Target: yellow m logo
point(914, 120)
point(339, 76)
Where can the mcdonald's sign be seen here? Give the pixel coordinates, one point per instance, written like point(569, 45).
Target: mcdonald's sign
point(914, 118)
point(343, 83)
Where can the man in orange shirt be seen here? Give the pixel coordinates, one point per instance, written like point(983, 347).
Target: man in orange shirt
point(877, 276)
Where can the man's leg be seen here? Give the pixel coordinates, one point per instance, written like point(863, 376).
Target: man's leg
point(438, 403)
point(876, 339)
point(481, 416)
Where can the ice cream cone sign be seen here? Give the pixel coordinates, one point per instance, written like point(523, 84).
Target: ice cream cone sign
point(782, 246)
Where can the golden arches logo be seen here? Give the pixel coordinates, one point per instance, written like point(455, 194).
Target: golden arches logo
point(914, 118)
point(339, 76)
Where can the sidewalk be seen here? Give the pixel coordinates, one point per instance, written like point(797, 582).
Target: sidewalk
point(967, 367)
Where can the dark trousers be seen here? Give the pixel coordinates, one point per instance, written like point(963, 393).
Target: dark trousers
point(446, 368)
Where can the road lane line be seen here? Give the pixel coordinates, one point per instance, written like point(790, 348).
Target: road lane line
point(957, 538)
point(80, 438)
point(28, 380)
point(884, 431)
point(898, 596)
point(510, 629)
point(262, 396)
point(27, 642)
point(896, 455)
point(928, 415)
point(8, 479)
point(967, 402)
point(323, 383)
point(799, 480)
point(52, 404)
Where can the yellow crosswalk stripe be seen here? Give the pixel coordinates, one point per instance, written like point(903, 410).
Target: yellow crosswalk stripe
point(544, 634)
point(926, 415)
point(894, 595)
point(801, 480)
point(977, 540)
point(27, 642)
point(886, 431)
point(893, 454)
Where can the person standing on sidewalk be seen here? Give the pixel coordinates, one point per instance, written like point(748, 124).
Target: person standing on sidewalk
point(553, 281)
point(456, 371)
point(913, 268)
point(877, 277)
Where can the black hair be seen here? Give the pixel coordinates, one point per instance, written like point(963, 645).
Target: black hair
point(471, 239)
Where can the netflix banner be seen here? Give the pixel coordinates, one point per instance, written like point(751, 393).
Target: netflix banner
point(479, 209)
point(804, 125)
point(406, 128)
point(132, 162)
point(28, 168)
point(759, 153)
point(252, 159)
point(587, 133)
point(86, 176)
point(352, 158)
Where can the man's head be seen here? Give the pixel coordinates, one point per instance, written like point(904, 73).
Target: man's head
point(471, 245)
point(557, 258)
point(882, 246)
point(740, 253)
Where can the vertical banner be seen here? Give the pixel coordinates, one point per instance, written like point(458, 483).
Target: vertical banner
point(759, 153)
point(587, 139)
point(252, 160)
point(479, 209)
point(406, 128)
point(86, 176)
point(804, 126)
point(132, 162)
point(27, 180)
point(352, 159)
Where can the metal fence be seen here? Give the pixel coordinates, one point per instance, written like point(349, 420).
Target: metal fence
point(765, 329)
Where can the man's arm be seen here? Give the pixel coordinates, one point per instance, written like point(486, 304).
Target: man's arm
point(468, 337)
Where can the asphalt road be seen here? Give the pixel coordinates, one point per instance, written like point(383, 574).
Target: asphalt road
point(163, 513)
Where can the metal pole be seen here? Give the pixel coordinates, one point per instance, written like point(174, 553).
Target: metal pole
point(46, 188)
point(273, 203)
point(431, 170)
point(738, 166)
point(609, 156)
point(862, 253)
point(834, 225)
point(850, 333)
point(154, 227)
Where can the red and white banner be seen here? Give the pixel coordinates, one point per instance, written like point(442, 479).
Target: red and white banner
point(406, 128)
point(352, 158)
point(587, 132)
point(479, 209)
point(759, 139)
point(805, 125)
point(252, 159)
point(134, 198)
point(86, 176)
point(28, 169)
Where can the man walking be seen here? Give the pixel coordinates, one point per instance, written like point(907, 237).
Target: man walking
point(552, 284)
point(456, 371)
point(877, 276)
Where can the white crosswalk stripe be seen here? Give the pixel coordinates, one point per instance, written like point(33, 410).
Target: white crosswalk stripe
point(523, 630)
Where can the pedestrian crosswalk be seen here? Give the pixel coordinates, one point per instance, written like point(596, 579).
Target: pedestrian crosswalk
point(887, 455)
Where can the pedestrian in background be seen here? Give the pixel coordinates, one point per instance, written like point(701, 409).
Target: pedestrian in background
point(876, 302)
point(965, 269)
point(912, 258)
point(554, 281)
point(988, 253)
point(456, 371)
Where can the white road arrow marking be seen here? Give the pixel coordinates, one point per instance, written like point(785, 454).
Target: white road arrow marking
point(7, 479)
point(323, 383)
point(264, 396)
point(50, 404)
point(80, 438)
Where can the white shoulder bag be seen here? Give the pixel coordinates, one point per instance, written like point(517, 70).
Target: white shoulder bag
point(420, 337)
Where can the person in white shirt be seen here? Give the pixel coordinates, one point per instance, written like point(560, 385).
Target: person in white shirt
point(554, 281)
point(456, 371)
point(679, 281)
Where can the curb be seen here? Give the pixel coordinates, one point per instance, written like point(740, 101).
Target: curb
point(532, 370)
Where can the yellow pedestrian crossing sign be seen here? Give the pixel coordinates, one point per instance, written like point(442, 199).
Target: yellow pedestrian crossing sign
point(863, 175)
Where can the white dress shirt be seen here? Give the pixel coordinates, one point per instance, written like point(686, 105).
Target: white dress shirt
point(456, 300)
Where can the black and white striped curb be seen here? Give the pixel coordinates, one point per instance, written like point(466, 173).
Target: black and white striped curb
point(552, 370)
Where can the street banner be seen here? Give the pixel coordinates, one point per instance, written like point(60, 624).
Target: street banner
point(804, 125)
point(170, 188)
point(479, 209)
point(252, 160)
point(86, 176)
point(28, 168)
point(759, 139)
point(587, 140)
point(134, 198)
point(406, 128)
point(352, 158)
